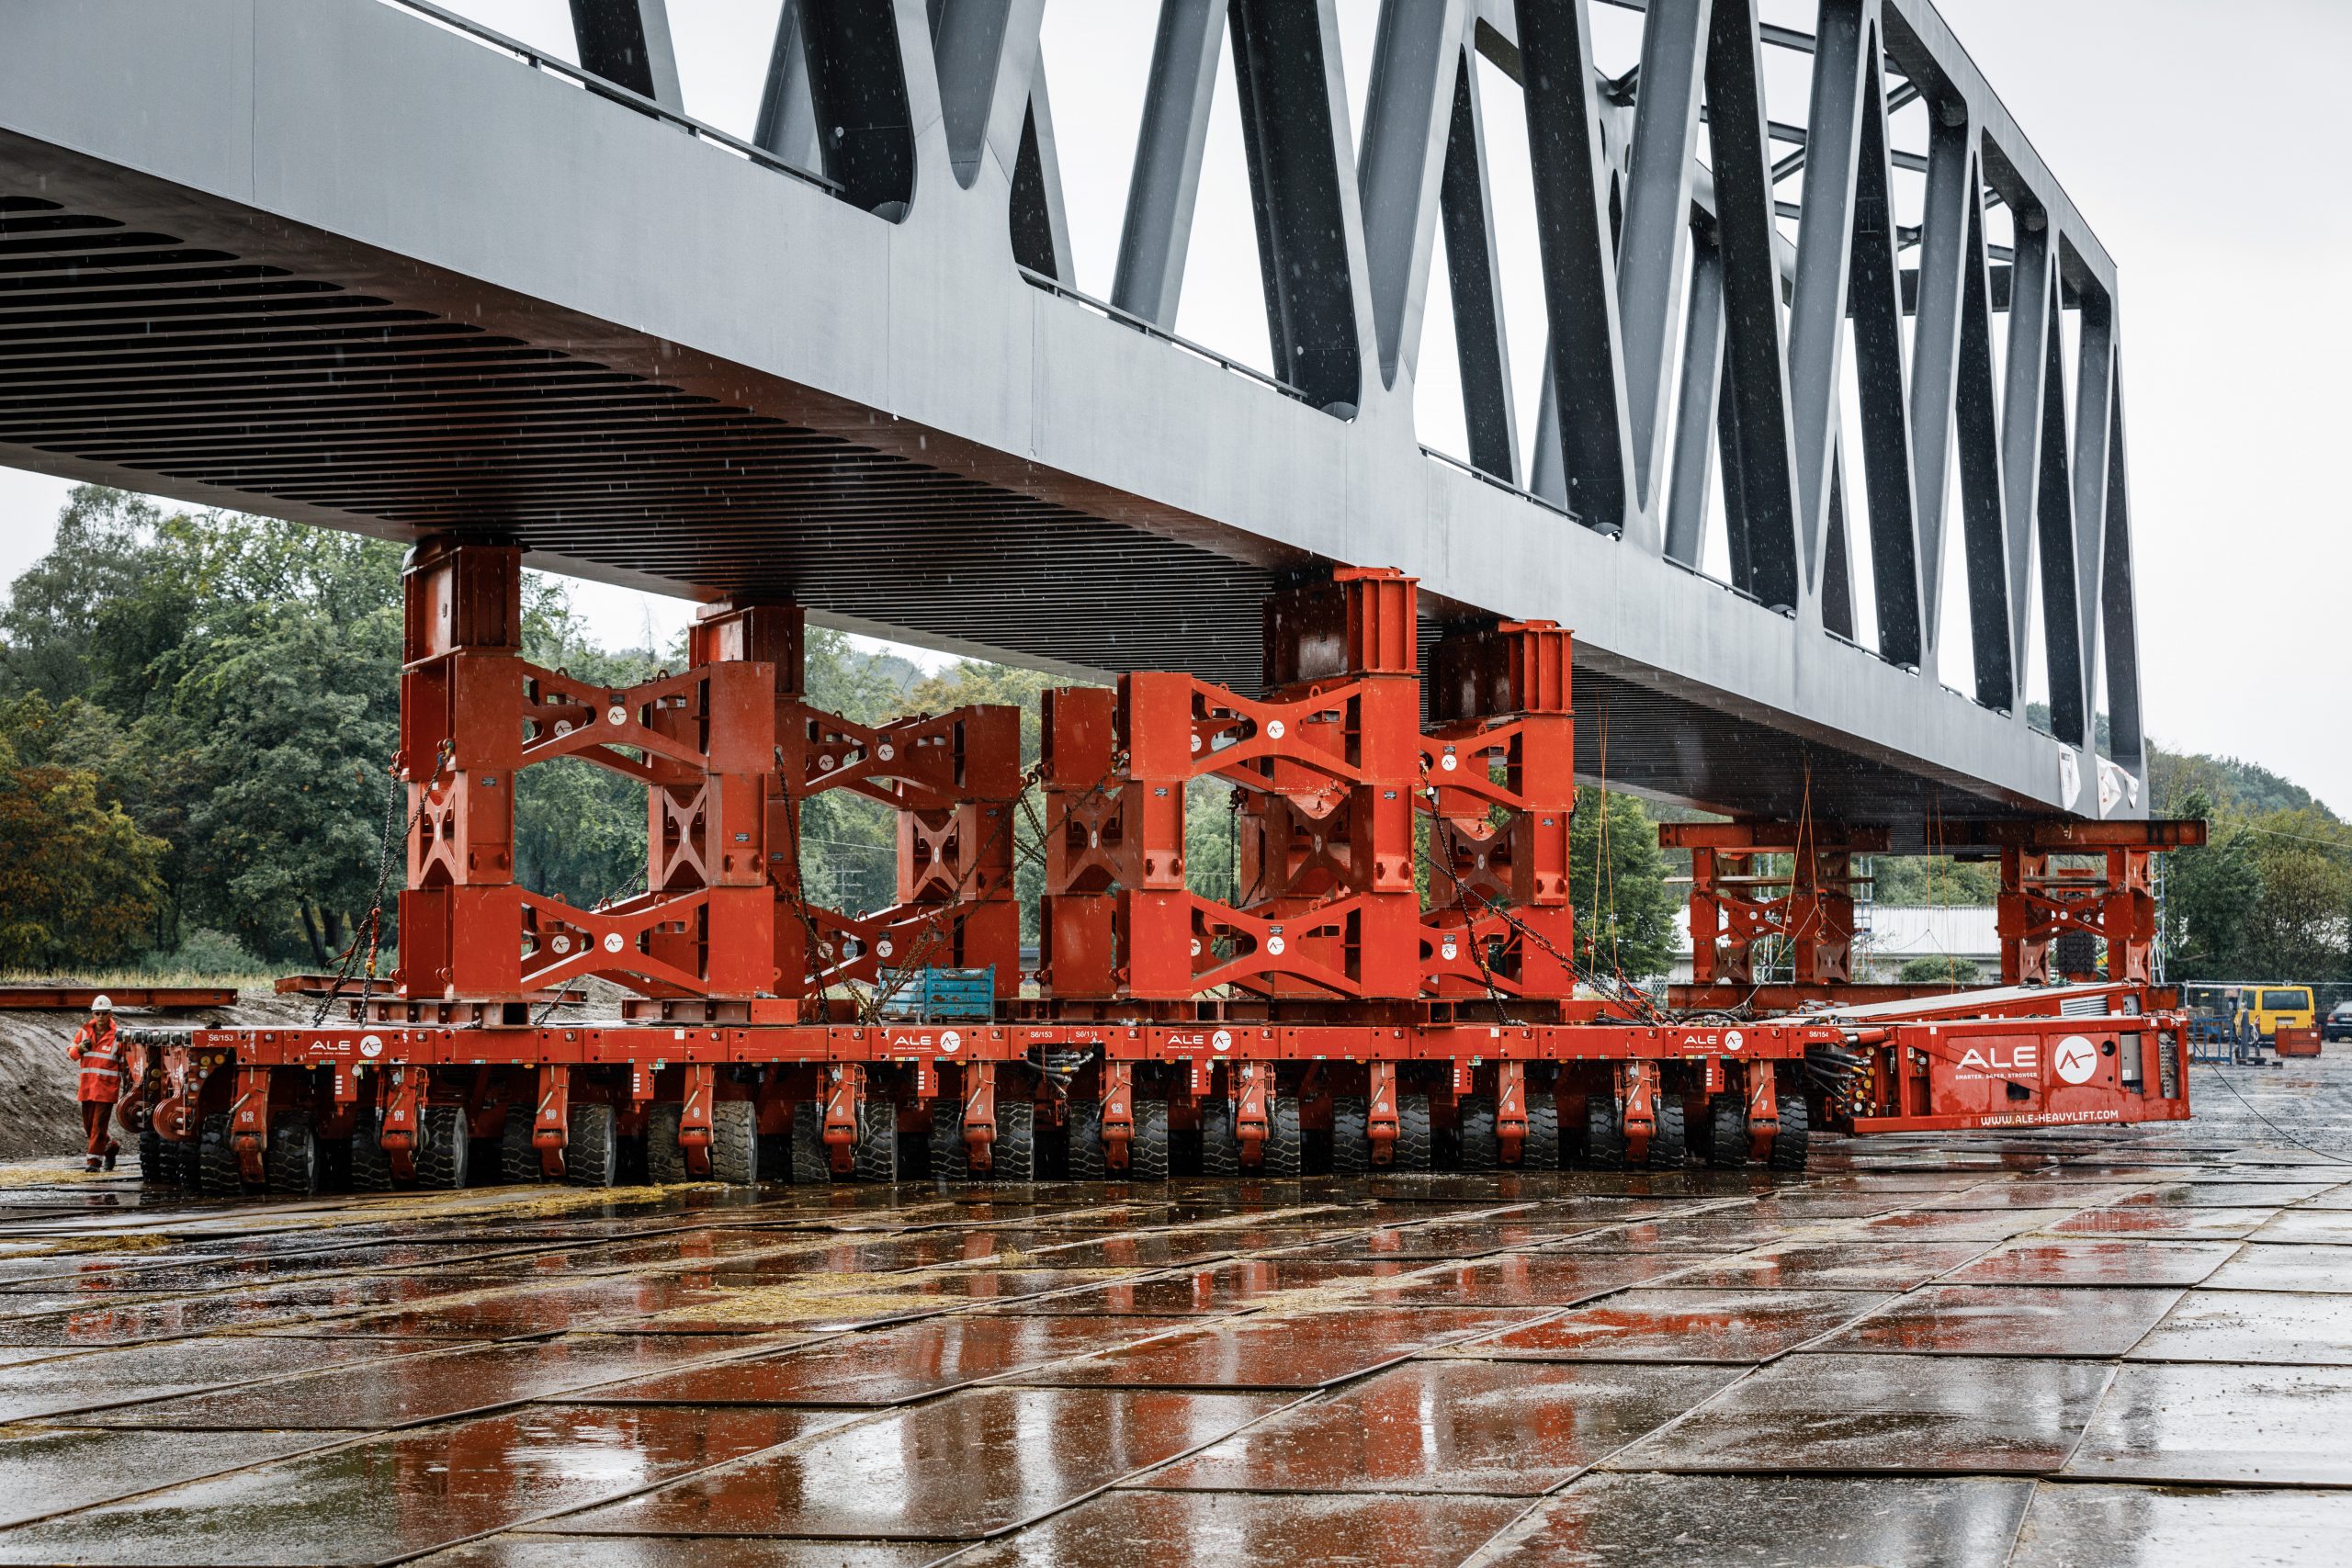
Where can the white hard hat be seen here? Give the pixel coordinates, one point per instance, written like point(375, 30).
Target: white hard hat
point(102, 1003)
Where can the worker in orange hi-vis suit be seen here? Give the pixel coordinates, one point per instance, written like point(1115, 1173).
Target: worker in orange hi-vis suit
point(98, 1049)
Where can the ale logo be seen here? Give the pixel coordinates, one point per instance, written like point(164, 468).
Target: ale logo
point(1221, 1041)
point(2076, 1059)
point(950, 1042)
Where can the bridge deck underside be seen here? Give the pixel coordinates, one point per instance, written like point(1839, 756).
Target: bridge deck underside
point(133, 355)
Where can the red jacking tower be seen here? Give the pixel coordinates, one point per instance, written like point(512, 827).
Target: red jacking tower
point(1394, 981)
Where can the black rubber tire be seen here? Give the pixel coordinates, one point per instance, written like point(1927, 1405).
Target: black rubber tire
point(518, 1162)
point(1350, 1134)
point(665, 1162)
point(951, 1159)
point(1220, 1146)
point(159, 1160)
point(1148, 1151)
point(876, 1158)
point(1541, 1150)
point(217, 1174)
point(1604, 1132)
point(1087, 1160)
point(591, 1154)
point(1723, 1140)
point(1415, 1148)
point(810, 1166)
point(1476, 1144)
point(443, 1148)
point(1794, 1142)
point(1282, 1156)
point(371, 1167)
point(1669, 1145)
point(291, 1161)
point(1013, 1156)
point(735, 1142)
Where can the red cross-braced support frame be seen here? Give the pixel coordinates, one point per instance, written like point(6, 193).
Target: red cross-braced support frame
point(474, 713)
point(1324, 770)
point(954, 781)
point(1498, 784)
point(726, 751)
point(1737, 902)
point(2093, 879)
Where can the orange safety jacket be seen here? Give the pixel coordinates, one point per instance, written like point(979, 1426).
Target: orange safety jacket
point(100, 1054)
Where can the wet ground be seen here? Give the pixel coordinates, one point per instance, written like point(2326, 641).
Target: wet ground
point(2094, 1348)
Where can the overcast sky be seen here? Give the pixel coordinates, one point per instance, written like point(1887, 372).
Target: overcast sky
point(2189, 134)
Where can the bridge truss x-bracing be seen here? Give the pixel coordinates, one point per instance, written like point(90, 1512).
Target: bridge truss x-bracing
point(400, 316)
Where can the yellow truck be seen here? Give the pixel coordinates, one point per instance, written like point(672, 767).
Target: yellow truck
point(2245, 1013)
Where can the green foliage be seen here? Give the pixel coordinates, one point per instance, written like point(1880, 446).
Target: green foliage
point(230, 683)
point(1939, 970)
point(579, 828)
point(1938, 880)
point(204, 951)
point(78, 880)
point(2267, 898)
point(1617, 880)
point(2225, 784)
point(1210, 841)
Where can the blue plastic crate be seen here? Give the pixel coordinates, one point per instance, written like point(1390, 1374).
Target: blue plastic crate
point(924, 994)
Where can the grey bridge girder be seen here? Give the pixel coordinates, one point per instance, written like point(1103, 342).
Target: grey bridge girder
point(351, 140)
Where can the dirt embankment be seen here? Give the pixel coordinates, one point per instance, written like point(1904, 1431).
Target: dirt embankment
point(38, 1078)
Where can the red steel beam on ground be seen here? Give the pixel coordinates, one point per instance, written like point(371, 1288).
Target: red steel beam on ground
point(76, 999)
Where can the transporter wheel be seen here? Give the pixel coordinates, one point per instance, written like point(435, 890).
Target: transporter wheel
point(1669, 1145)
point(159, 1160)
point(1283, 1154)
point(665, 1162)
point(1794, 1142)
point(1086, 1161)
point(1220, 1146)
point(876, 1158)
point(735, 1142)
point(950, 1159)
point(1541, 1149)
point(518, 1162)
point(592, 1152)
point(442, 1148)
point(1415, 1149)
point(810, 1166)
point(1014, 1156)
point(1604, 1132)
point(1148, 1151)
point(217, 1174)
point(1475, 1137)
point(371, 1167)
point(291, 1161)
point(1350, 1134)
point(1723, 1137)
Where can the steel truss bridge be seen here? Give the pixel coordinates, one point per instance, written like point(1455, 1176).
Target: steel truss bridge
point(365, 264)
